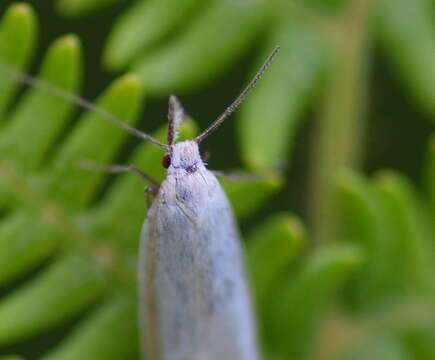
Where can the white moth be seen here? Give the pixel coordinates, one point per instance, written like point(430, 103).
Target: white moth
point(193, 295)
point(194, 301)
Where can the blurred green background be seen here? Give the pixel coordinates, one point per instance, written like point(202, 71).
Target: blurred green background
point(338, 225)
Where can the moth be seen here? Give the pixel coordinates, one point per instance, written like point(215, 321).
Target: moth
point(194, 301)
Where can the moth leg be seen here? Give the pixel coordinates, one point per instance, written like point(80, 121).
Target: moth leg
point(149, 192)
point(236, 177)
point(153, 185)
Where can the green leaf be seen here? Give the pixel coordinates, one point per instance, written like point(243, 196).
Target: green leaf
point(407, 36)
point(82, 7)
point(192, 59)
point(295, 308)
point(272, 245)
point(142, 25)
point(380, 347)
point(62, 68)
point(274, 108)
point(365, 218)
point(429, 174)
point(414, 236)
point(107, 334)
point(20, 252)
point(65, 289)
point(328, 5)
point(18, 33)
point(123, 100)
point(420, 343)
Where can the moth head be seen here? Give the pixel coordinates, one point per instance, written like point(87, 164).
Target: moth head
point(183, 155)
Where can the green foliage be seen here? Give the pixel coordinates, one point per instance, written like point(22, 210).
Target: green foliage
point(301, 299)
point(360, 276)
point(272, 246)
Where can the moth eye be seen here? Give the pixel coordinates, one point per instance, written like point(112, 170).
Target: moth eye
point(166, 161)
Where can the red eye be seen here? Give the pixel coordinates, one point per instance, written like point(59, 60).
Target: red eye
point(166, 161)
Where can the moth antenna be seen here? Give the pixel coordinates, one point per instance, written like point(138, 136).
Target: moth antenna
point(176, 116)
point(230, 109)
point(56, 91)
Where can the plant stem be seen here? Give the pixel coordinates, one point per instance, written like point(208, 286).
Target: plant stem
point(339, 130)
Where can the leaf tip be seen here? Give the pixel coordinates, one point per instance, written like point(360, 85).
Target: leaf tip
point(431, 144)
point(21, 9)
point(296, 228)
point(70, 40)
point(387, 179)
point(129, 82)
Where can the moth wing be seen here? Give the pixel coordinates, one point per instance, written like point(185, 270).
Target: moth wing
point(197, 304)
